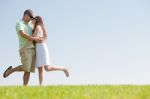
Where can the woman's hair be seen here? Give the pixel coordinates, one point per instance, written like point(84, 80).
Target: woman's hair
point(39, 21)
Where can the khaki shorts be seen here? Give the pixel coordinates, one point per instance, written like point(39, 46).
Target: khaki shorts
point(28, 59)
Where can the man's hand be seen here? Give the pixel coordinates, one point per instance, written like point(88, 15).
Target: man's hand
point(38, 39)
point(31, 38)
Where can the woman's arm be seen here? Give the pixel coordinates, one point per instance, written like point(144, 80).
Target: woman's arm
point(44, 32)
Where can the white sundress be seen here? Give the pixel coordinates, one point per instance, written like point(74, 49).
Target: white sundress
point(42, 53)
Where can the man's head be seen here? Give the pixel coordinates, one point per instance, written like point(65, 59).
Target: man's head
point(28, 15)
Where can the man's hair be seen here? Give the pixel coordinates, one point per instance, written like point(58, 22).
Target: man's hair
point(29, 12)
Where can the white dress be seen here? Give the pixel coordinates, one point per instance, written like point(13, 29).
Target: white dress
point(42, 53)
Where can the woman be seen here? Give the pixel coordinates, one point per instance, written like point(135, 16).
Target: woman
point(42, 54)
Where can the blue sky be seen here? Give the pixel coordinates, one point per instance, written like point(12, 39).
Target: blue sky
point(100, 41)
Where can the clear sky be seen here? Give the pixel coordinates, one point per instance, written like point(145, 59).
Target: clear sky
point(100, 41)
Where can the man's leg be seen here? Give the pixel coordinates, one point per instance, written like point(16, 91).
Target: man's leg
point(26, 78)
point(29, 63)
point(10, 71)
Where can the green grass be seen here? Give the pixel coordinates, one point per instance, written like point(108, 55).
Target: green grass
point(76, 92)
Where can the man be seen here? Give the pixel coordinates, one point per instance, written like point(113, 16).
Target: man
point(27, 51)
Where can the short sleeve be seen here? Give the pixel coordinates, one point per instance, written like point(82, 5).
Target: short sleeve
point(19, 26)
point(31, 25)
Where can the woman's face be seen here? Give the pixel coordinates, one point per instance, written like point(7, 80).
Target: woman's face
point(33, 21)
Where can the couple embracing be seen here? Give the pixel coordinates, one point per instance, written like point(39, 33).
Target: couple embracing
point(32, 48)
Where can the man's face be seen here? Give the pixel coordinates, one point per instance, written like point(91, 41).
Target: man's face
point(26, 18)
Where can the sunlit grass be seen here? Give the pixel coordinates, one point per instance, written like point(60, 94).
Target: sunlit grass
point(76, 92)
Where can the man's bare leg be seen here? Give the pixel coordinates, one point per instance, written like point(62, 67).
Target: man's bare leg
point(10, 71)
point(26, 77)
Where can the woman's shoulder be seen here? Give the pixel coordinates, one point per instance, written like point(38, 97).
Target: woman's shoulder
point(39, 28)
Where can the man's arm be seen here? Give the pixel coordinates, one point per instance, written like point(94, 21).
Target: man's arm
point(20, 30)
point(23, 34)
point(30, 38)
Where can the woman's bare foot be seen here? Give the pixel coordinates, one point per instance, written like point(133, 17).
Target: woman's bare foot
point(66, 72)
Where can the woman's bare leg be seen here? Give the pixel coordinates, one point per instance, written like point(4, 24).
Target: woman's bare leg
point(40, 69)
point(55, 68)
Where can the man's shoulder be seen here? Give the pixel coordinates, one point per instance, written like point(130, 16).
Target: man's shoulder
point(19, 22)
point(30, 24)
point(19, 26)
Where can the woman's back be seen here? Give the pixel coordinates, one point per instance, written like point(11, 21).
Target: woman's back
point(39, 31)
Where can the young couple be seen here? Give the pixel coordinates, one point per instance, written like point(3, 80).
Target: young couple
point(33, 49)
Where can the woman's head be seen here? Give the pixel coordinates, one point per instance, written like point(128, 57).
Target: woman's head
point(39, 20)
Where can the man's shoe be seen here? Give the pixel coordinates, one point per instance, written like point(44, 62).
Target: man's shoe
point(4, 74)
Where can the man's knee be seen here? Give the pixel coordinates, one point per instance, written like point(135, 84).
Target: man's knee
point(26, 73)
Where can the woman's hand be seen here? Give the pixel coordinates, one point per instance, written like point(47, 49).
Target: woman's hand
point(36, 39)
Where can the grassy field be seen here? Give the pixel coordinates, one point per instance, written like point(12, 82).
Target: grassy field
point(76, 92)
